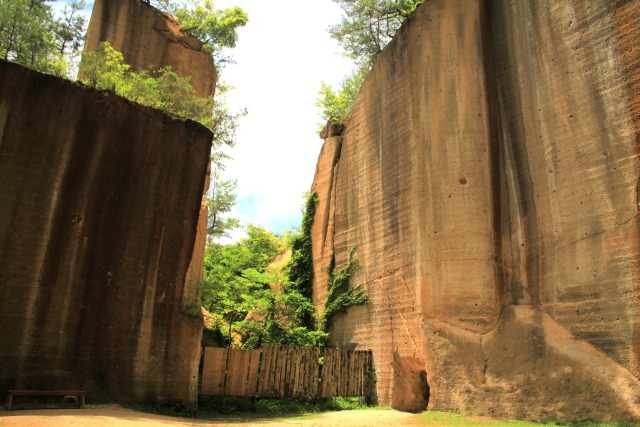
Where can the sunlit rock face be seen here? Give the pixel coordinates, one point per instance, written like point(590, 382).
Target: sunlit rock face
point(147, 38)
point(151, 39)
point(99, 203)
point(488, 179)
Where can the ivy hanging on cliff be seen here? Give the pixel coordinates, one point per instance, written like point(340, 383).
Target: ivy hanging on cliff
point(300, 269)
point(340, 295)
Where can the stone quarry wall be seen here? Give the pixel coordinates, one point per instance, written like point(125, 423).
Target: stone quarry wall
point(488, 179)
point(149, 38)
point(99, 203)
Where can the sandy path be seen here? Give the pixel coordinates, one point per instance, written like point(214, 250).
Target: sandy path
point(116, 416)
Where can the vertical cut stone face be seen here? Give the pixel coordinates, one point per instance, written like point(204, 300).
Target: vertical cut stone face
point(152, 39)
point(488, 179)
point(99, 203)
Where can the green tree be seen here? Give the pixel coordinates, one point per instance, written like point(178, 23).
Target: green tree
point(366, 28)
point(221, 199)
point(235, 282)
point(70, 29)
point(30, 35)
point(105, 69)
point(368, 25)
point(215, 28)
point(336, 104)
point(27, 36)
point(224, 122)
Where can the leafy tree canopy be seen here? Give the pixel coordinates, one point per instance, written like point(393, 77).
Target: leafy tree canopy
point(215, 28)
point(368, 25)
point(236, 283)
point(366, 28)
point(32, 36)
point(221, 199)
point(260, 304)
point(105, 69)
point(336, 104)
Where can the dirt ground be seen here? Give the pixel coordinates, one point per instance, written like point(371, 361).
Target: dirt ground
point(116, 416)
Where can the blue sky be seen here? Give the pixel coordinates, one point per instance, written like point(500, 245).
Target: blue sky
point(282, 56)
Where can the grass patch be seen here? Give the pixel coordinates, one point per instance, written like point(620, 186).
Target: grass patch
point(241, 408)
point(453, 419)
point(227, 408)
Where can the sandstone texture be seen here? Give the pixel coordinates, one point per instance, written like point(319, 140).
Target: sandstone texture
point(149, 38)
point(488, 179)
point(99, 203)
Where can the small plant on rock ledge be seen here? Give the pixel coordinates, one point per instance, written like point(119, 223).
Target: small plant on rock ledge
point(340, 296)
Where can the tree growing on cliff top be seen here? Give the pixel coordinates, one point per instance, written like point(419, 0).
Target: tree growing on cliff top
point(32, 36)
point(336, 104)
point(368, 25)
point(366, 28)
point(163, 89)
point(215, 28)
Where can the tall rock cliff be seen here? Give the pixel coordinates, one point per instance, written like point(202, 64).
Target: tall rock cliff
point(149, 38)
point(99, 203)
point(488, 179)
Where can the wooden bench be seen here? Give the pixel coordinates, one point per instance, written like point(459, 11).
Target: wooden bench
point(78, 394)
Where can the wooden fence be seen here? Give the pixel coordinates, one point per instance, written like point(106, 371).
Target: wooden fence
point(287, 372)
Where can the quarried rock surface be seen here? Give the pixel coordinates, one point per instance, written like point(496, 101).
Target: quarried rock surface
point(99, 203)
point(149, 38)
point(488, 179)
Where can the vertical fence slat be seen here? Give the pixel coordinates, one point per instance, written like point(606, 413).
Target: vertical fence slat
point(331, 373)
point(286, 365)
point(369, 376)
point(360, 374)
point(353, 373)
point(264, 371)
point(282, 370)
point(213, 371)
point(237, 373)
point(252, 379)
point(293, 374)
point(325, 373)
point(271, 371)
point(312, 372)
point(274, 377)
point(315, 372)
point(349, 374)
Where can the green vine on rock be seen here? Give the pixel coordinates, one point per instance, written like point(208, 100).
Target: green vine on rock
point(341, 297)
point(300, 272)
